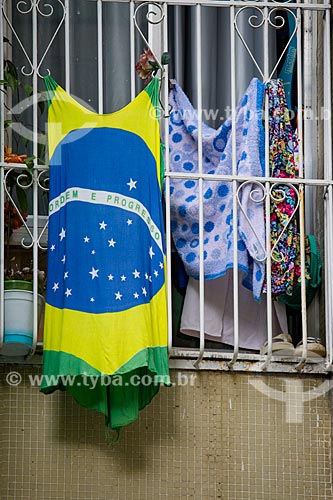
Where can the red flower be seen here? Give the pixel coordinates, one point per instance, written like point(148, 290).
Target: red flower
point(146, 65)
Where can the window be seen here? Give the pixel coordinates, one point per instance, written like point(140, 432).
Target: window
point(216, 48)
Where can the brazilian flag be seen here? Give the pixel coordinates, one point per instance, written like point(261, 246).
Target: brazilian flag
point(105, 335)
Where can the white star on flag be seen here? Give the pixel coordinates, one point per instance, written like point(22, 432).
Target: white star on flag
point(110, 277)
point(156, 273)
point(66, 275)
point(136, 274)
point(94, 273)
point(146, 276)
point(63, 260)
point(62, 235)
point(92, 299)
point(93, 252)
point(131, 184)
point(149, 278)
point(102, 225)
point(52, 248)
point(123, 278)
point(129, 222)
point(118, 296)
point(151, 252)
point(55, 287)
point(112, 243)
point(68, 292)
point(161, 265)
point(86, 239)
point(144, 291)
point(136, 295)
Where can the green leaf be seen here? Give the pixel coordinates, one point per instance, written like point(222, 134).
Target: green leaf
point(154, 65)
point(12, 82)
point(166, 58)
point(28, 89)
point(5, 84)
point(22, 199)
point(29, 161)
point(7, 123)
point(10, 68)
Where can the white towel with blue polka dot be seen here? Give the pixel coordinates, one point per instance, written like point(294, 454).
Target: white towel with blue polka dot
point(218, 195)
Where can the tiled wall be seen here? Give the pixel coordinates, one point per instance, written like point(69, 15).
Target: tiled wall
point(227, 436)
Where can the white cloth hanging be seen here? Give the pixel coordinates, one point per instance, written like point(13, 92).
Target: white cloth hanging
point(219, 320)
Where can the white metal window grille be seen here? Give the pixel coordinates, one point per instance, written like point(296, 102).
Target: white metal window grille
point(44, 35)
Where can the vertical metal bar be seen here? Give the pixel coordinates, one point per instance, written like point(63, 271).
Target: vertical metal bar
point(67, 48)
point(178, 28)
point(301, 186)
point(132, 48)
point(327, 233)
point(154, 31)
point(328, 175)
point(35, 175)
point(328, 275)
point(267, 199)
point(310, 143)
point(2, 194)
point(234, 183)
point(310, 125)
point(200, 185)
point(167, 178)
point(100, 55)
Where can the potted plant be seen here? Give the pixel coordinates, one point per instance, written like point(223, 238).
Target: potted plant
point(19, 308)
point(18, 272)
point(18, 285)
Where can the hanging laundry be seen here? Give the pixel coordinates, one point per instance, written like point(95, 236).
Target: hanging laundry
point(219, 314)
point(282, 153)
point(218, 195)
point(106, 315)
point(313, 267)
point(287, 72)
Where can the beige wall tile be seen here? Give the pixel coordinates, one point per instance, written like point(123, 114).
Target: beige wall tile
point(226, 438)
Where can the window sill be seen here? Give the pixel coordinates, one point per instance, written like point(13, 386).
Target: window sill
point(181, 359)
point(184, 359)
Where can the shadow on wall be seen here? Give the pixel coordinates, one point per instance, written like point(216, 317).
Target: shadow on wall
point(64, 425)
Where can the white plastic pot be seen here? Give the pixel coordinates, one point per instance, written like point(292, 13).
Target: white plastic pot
point(18, 331)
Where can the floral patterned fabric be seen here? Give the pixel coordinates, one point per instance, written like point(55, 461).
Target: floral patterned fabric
point(282, 153)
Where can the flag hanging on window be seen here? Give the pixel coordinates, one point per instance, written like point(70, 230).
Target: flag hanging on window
point(106, 315)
